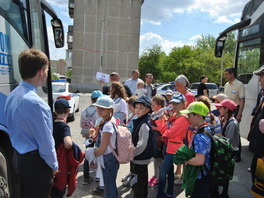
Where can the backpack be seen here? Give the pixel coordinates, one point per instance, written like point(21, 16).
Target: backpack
point(222, 159)
point(125, 150)
point(88, 121)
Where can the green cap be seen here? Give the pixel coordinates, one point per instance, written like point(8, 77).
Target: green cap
point(196, 107)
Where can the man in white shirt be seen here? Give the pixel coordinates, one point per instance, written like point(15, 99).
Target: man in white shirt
point(132, 82)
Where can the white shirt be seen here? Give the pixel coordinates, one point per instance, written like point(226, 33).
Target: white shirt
point(109, 128)
point(132, 84)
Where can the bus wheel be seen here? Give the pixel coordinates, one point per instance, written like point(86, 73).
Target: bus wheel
point(4, 190)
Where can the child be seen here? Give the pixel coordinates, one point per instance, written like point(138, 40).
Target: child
point(61, 135)
point(142, 140)
point(175, 135)
point(157, 102)
point(168, 95)
point(88, 117)
point(140, 91)
point(201, 145)
point(107, 136)
point(212, 121)
point(230, 129)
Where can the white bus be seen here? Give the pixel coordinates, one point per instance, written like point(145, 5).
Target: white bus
point(249, 55)
point(22, 26)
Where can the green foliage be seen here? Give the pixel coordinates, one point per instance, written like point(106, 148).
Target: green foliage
point(192, 61)
point(149, 62)
point(54, 76)
point(69, 73)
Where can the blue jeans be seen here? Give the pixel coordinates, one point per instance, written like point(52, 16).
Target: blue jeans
point(109, 173)
point(166, 170)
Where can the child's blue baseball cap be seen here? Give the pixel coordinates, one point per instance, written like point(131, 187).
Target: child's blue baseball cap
point(177, 98)
point(96, 94)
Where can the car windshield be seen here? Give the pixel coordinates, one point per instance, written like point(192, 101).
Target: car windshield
point(58, 88)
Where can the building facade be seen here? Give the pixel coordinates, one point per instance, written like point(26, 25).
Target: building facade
point(104, 38)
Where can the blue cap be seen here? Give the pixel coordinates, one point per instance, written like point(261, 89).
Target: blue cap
point(143, 100)
point(104, 102)
point(96, 94)
point(61, 103)
point(177, 98)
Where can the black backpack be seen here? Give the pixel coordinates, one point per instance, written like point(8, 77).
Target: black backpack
point(222, 159)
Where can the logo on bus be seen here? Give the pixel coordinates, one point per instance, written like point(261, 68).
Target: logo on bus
point(5, 51)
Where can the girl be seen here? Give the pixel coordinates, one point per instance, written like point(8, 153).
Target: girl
point(230, 129)
point(107, 136)
point(175, 135)
point(118, 94)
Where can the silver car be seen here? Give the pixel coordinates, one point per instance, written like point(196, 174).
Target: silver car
point(212, 88)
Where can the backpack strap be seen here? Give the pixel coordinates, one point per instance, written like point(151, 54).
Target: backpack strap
point(114, 151)
point(224, 128)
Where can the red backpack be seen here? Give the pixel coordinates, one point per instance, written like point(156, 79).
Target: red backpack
point(125, 150)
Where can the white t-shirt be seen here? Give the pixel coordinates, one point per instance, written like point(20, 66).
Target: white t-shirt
point(120, 106)
point(140, 92)
point(109, 128)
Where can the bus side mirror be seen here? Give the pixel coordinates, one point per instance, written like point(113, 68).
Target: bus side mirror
point(219, 46)
point(58, 32)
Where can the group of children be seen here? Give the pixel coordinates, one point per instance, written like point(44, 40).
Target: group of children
point(158, 139)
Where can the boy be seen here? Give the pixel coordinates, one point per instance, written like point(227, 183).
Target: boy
point(61, 135)
point(142, 140)
point(157, 102)
point(201, 145)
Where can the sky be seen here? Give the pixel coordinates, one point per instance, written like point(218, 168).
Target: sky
point(168, 23)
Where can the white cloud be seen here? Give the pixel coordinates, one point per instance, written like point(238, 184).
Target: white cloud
point(195, 38)
point(149, 39)
point(155, 11)
point(59, 3)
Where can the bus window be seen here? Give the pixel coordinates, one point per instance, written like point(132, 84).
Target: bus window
point(14, 15)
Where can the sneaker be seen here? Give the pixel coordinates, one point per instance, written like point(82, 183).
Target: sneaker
point(99, 191)
point(127, 182)
point(154, 184)
point(178, 182)
point(126, 177)
point(87, 181)
point(177, 176)
point(151, 179)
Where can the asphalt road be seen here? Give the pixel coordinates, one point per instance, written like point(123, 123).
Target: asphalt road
point(239, 186)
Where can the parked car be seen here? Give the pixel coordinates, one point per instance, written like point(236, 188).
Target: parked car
point(163, 88)
point(212, 87)
point(63, 89)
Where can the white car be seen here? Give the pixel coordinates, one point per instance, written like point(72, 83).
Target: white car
point(212, 88)
point(63, 89)
point(163, 88)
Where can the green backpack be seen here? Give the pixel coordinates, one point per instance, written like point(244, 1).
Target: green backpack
point(222, 159)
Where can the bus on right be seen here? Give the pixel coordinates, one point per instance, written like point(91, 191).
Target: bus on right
point(249, 55)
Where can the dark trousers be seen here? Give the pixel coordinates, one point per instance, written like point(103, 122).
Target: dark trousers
point(35, 176)
point(140, 188)
point(202, 188)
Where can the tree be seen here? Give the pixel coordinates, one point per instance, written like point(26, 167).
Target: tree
point(206, 42)
point(149, 62)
